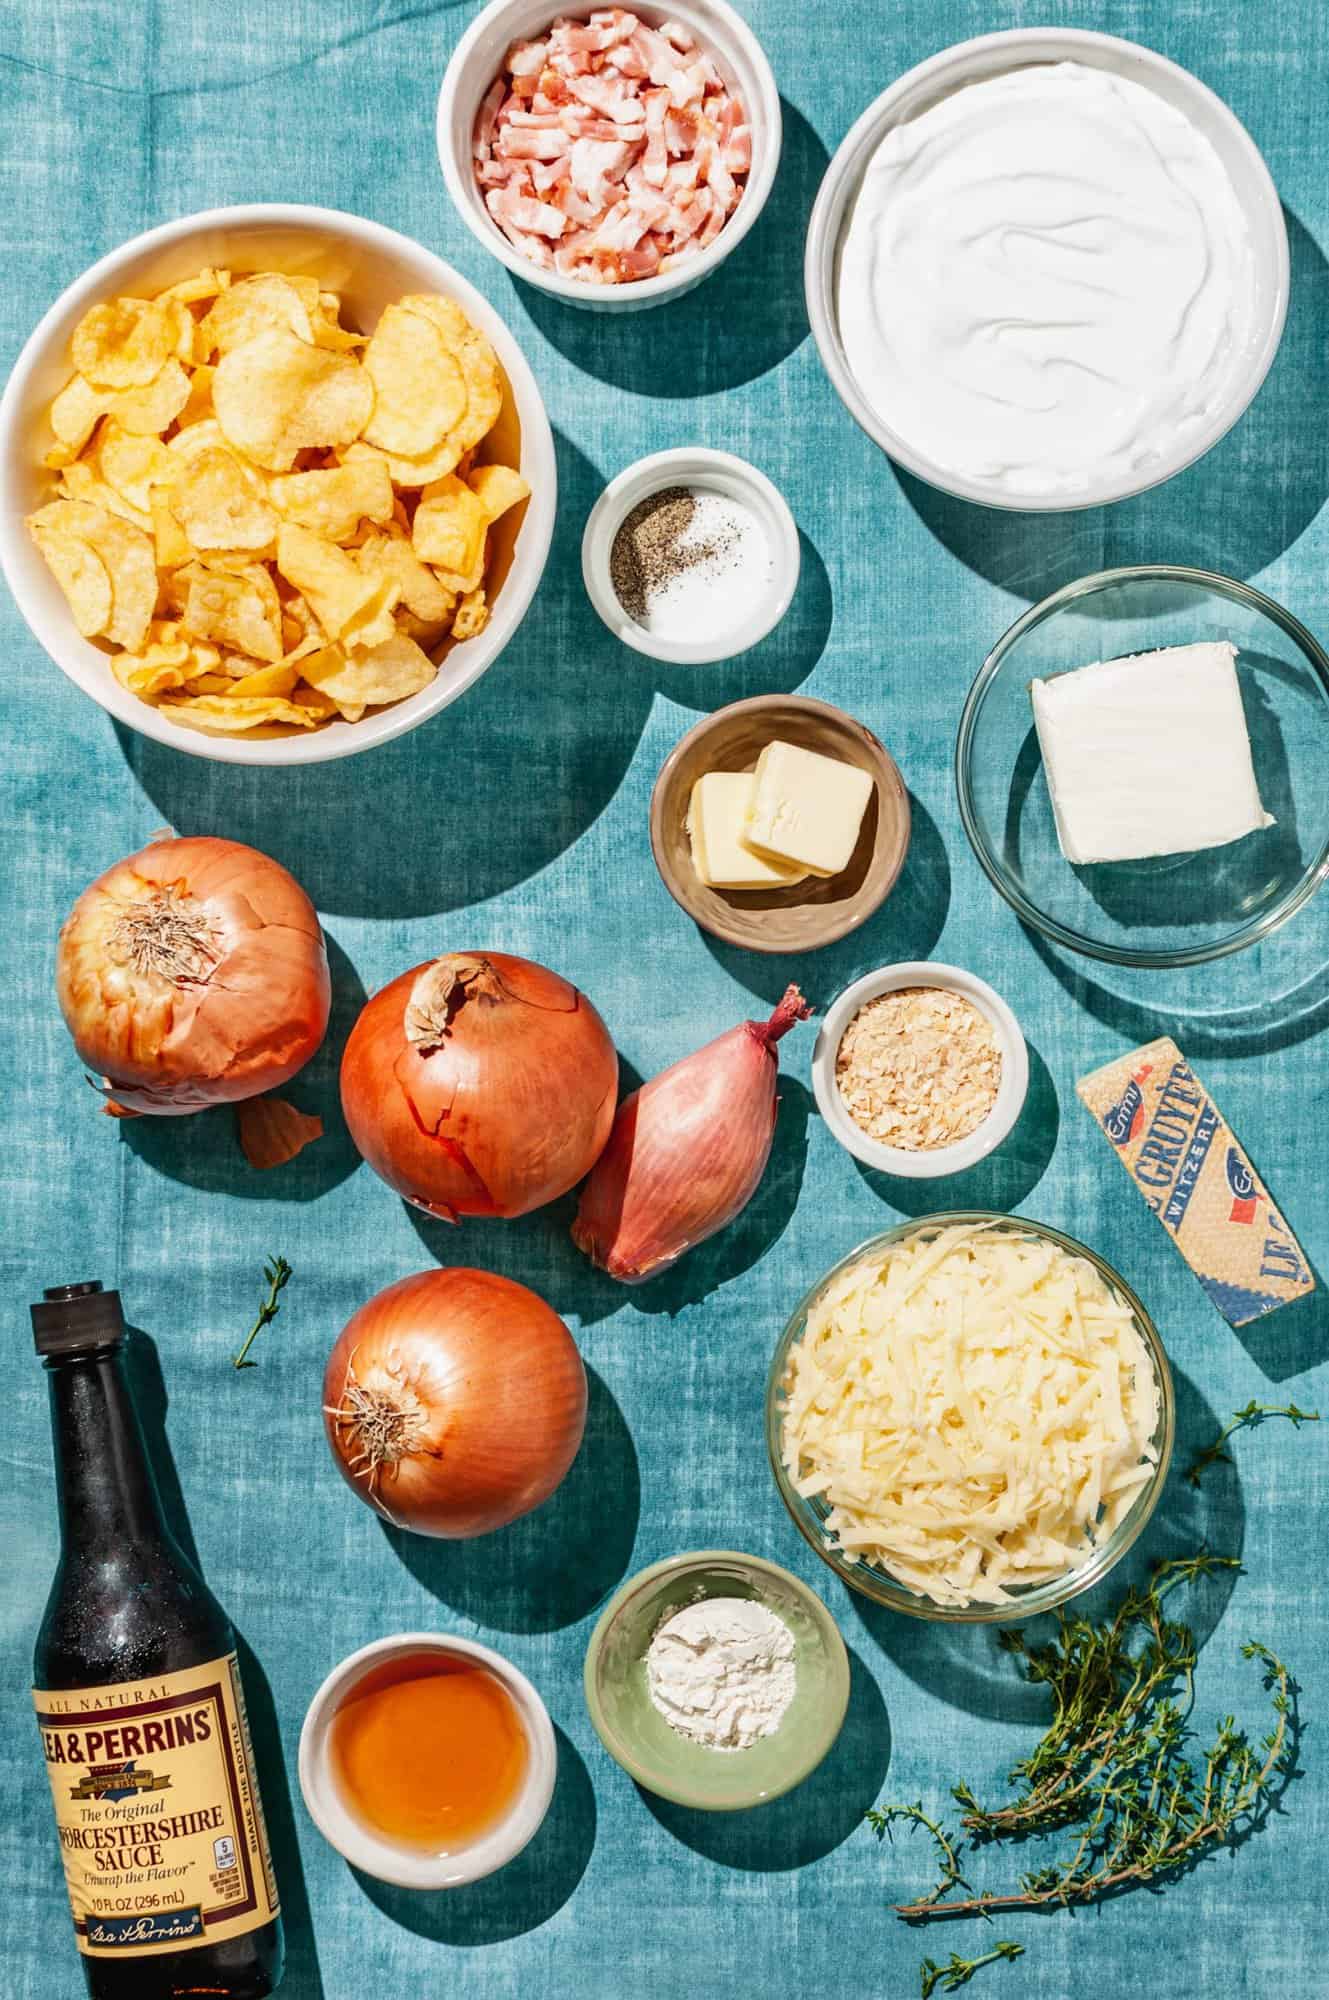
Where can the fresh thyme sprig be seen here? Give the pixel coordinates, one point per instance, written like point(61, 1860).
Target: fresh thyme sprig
point(1114, 1762)
point(958, 1972)
point(1253, 1415)
point(276, 1271)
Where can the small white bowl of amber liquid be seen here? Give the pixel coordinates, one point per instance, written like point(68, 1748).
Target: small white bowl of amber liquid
point(427, 1761)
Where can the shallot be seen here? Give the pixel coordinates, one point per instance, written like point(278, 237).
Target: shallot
point(687, 1151)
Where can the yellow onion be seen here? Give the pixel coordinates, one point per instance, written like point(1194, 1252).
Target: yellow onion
point(479, 1084)
point(193, 973)
point(454, 1401)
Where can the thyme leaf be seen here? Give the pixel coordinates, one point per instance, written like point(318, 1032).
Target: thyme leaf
point(958, 1972)
point(276, 1272)
point(1253, 1415)
point(1115, 1769)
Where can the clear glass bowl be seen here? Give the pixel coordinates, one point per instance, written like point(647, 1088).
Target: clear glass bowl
point(1180, 909)
point(809, 1516)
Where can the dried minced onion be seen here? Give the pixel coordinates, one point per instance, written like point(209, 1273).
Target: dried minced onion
point(918, 1068)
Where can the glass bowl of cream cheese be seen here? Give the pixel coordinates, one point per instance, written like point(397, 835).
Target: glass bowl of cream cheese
point(1168, 822)
point(1047, 269)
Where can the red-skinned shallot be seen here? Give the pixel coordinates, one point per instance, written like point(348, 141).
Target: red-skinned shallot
point(687, 1151)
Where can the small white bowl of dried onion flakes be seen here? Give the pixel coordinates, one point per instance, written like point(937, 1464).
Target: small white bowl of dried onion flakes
point(920, 1069)
point(369, 268)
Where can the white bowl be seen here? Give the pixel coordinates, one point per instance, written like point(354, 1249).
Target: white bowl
point(721, 472)
point(738, 55)
point(992, 55)
point(370, 266)
point(1011, 1091)
point(368, 1850)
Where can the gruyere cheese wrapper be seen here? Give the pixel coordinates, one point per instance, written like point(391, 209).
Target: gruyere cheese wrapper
point(1173, 1142)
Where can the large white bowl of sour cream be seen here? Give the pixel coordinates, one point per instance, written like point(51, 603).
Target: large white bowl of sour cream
point(1047, 269)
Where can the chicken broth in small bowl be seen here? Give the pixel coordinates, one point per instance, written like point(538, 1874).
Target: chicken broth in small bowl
point(427, 1761)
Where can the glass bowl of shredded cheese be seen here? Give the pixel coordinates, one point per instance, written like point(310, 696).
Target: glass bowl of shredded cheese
point(970, 1418)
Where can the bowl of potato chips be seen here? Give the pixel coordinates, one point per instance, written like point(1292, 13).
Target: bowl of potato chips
point(278, 484)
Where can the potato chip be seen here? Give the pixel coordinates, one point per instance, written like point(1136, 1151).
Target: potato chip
point(75, 412)
point(237, 608)
point(321, 706)
point(335, 501)
point(280, 679)
point(79, 481)
point(449, 532)
point(472, 615)
point(336, 591)
point(328, 330)
point(421, 591)
point(220, 503)
point(204, 284)
point(419, 394)
point(369, 677)
point(233, 715)
point(251, 304)
point(197, 406)
point(497, 487)
point(125, 343)
point(475, 358)
point(169, 540)
point(375, 624)
point(126, 555)
point(168, 659)
point(131, 463)
point(276, 395)
point(428, 633)
point(81, 574)
point(152, 409)
point(408, 472)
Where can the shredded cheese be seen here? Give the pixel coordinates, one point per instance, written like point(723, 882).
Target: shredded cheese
point(974, 1411)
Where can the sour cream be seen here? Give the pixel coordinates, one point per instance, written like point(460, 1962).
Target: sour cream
point(1045, 279)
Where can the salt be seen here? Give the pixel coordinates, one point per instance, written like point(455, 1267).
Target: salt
point(690, 562)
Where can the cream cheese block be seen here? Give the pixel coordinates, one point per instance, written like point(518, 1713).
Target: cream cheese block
point(1148, 755)
point(807, 809)
point(716, 813)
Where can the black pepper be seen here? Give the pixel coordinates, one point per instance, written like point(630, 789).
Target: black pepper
point(650, 549)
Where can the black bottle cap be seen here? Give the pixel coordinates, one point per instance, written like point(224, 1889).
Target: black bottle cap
point(77, 1319)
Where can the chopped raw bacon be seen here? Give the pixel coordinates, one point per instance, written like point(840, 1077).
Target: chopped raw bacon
point(608, 150)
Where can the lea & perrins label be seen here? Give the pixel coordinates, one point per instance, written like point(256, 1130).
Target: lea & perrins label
point(1188, 1164)
point(161, 1828)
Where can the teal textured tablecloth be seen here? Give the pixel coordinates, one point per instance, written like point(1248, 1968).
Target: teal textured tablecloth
point(519, 820)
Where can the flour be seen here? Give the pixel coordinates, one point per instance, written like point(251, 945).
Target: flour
point(721, 1670)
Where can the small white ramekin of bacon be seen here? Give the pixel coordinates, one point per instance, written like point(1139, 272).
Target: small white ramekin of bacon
point(615, 156)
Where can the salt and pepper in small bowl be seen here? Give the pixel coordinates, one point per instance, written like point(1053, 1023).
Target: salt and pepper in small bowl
point(690, 556)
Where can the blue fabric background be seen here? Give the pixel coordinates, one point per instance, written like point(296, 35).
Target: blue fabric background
point(519, 820)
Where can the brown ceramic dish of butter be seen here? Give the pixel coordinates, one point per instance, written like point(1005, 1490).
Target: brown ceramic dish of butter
point(799, 916)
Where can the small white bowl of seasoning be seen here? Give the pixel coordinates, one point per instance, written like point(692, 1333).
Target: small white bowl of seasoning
point(920, 1069)
point(690, 556)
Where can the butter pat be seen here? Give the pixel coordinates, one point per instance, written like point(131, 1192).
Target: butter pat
point(1148, 755)
point(716, 814)
point(1187, 1163)
point(807, 809)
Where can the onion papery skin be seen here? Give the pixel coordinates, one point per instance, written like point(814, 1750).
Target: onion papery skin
point(506, 1107)
point(687, 1151)
point(491, 1391)
point(241, 1019)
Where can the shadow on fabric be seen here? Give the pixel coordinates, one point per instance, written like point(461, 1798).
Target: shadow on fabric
point(522, 1896)
point(441, 825)
point(303, 1979)
point(966, 1666)
point(737, 324)
point(1236, 511)
point(557, 1564)
point(817, 1815)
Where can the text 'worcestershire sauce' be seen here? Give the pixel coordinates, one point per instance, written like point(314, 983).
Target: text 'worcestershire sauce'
point(139, 1706)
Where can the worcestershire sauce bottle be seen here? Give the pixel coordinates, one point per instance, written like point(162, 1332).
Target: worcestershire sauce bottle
point(139, 1706)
